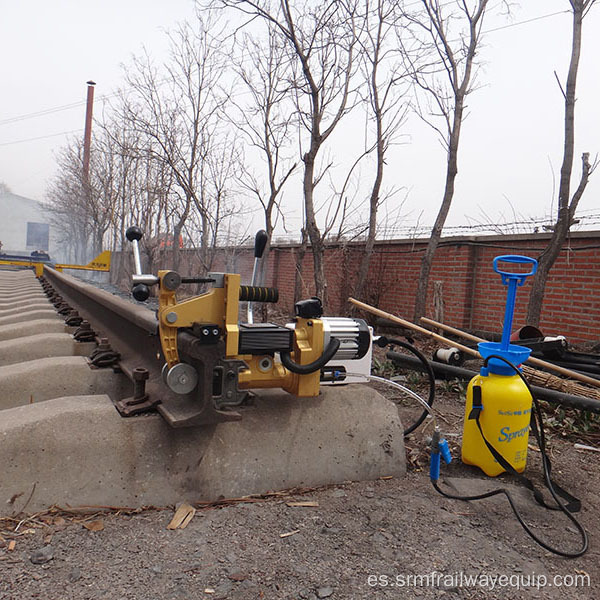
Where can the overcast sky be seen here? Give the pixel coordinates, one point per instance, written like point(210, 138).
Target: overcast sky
point(512, 140)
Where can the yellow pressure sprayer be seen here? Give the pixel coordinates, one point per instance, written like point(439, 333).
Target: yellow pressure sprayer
point(498, 407)
point(498, 416)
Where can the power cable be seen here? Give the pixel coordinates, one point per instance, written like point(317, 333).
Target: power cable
point(532, 20)
point(49, 111)
point(42, 113)
point(55, 109)
point(41, 137)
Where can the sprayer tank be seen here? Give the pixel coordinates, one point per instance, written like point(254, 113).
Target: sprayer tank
point(504, 420)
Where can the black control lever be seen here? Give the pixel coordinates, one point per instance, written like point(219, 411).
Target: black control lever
point(260, 242)
point(141, 282)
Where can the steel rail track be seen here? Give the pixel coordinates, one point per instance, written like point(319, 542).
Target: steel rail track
point(132, 332)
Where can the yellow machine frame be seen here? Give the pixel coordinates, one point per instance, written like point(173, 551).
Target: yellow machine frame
point(221, 307)
point(100, 263)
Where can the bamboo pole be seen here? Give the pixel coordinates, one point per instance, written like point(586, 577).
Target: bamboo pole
point(537, 377)
point(400, 321)
point(453, 330)
point(531, 360)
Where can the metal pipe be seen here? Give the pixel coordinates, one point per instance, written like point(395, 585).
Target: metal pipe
point(442, 369)
point(137, 262)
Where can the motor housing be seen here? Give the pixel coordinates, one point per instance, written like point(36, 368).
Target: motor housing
point(353, 334)
point(352, 362)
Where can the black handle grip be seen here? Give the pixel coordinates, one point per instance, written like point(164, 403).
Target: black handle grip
point(134, 233)
point(253, 293)
point(260, 241)
point(140, 292)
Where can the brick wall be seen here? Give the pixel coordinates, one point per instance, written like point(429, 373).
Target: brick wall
point(473, 296)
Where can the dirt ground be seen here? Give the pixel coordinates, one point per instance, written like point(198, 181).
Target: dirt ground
point(384, 539)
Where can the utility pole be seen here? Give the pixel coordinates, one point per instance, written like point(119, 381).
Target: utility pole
point(87, 137)
point(87, 142)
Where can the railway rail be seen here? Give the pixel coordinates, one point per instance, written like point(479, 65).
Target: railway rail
point(87, 419)
point(127, 337)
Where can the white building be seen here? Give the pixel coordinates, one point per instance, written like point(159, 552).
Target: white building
point(24, 226)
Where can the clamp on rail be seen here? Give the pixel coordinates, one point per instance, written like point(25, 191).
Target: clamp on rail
point(181, 377)
point(213, 316)
point(224, 358)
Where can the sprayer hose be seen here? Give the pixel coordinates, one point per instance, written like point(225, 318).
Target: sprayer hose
point(536, 414)
point(384, 341)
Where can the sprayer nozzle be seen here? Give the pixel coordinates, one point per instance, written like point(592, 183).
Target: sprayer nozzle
point(445, 451)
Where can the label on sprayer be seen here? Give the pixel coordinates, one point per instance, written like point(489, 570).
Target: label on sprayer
point(504, 420)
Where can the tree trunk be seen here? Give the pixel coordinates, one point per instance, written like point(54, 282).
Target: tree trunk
point(263, 307)
point(436, 233)
point(316, 241)
point(565, 212)
point(298, 279)
point(176, 255)
point(264, 262)
point(373, 206)
point(461, 86)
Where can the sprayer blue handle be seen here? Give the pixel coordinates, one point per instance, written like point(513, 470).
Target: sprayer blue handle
point(512, 280)
point(517, 259)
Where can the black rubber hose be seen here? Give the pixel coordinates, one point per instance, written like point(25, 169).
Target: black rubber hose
point(444, 370)
point(384, 341)
point(328, 354)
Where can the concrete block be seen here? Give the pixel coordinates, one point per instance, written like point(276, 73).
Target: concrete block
point(10, 297)
point(16, 279)
point(22, 303)
point(27, 328)
point(16, 272)
point(26, 315)
point(12, 278)
point(46, 378)
point(41, 305)
point(15, 289)
point(42, 345)
point(79, 451)
point(12, 274)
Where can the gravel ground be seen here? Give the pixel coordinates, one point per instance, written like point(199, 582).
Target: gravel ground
point(390, 538)
point(385, 539)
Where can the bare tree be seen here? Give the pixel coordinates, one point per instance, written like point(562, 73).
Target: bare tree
point(446, 78)
point(386, 104)
point(81, 210)
point(265, 124)
point(65, 191)
point(151, 204)
point(160, 155)
point(133, 187)
point(112, 171)
point(220, 168)
point(176, 111)
point(567, 203)
point(320, 38)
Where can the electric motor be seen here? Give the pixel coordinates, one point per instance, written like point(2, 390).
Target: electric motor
point(353, 334)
